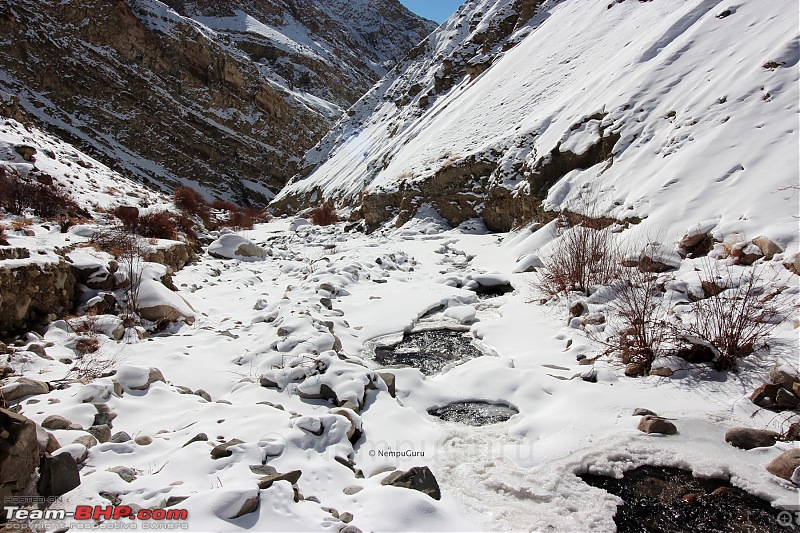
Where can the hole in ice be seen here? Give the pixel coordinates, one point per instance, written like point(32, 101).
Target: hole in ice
point(474, 413)
point(672, 499)
point(429, 351)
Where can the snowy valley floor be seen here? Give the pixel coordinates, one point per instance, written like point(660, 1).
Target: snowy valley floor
point(323, 287)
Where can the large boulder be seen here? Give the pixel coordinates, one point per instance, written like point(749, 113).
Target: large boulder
point(232, 246)
point(23, 387)
point(58, 475)
point(748, 438)
point(418, 478)
point(656, 424)
point(20, 453)
point(768, 248)
point(173, 254)
point(786, 466)
point(134, 377)
point(157, 303)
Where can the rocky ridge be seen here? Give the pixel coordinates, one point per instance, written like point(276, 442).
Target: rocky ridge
point(166, 98)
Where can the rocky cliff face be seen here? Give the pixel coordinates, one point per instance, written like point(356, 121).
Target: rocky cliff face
point(516, 110)
point(227, 95)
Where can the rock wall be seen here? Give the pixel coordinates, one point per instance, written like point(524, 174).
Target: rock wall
point(32, 294)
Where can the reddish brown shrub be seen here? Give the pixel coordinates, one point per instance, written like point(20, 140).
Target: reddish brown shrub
point(47, 201)
point(3, 241)
point(189, 201)
point(86, 345)
point(240, 219)
point(324, 215)
point(224, 205)
point(258, 215)
point(185, 225)
point(156, 225)
point(128, 215)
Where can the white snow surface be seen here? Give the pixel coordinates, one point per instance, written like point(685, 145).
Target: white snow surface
point(269, 318)
point(706, 107)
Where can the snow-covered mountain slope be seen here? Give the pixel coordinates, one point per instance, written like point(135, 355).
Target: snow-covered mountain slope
point(229, 96)
point(674, 112)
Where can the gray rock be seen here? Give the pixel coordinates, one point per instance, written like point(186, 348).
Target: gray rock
point(749, 438)
point(127, 474)
point(87, 440)
point(349, 528)
point(200, 437)
point(221, 450)
point(353, 489)
point(263, 470)
point(780, 377)
point(203, 394)
point(143, 440)
point(175, 500)
point(267, 481)
point(656, 424)
point(785, 465)
point(23, 387)
point(764, 395)
point(250, 505)
point(390, 381)
point(346, 517)
point(418, 478)
point(767, 247)
point(641, 411)
point(787, 399)
point(58, 475)
point(120, 437)
point(154, 375)
point(20, 453)
point(38, 349)
point(56, 422)
point(102, 433)
point(661, 371)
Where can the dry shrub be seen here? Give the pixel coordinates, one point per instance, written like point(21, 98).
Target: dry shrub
point(189, 201)
point(638, 329)
point(738, 320)
point(584, 258)
point(21, 224)
point(3, 241)
point(239, 219)
point(47, 201)
point(258, 215)
point(324, 215)
point(185, 225)
point(224, 205)
point(128, 215)
point(157, 225)
point(86, 345)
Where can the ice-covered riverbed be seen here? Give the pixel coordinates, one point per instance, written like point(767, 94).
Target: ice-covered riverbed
point(261, 348)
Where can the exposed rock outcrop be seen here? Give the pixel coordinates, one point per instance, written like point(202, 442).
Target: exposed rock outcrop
point(33, 294)
point(161, 96)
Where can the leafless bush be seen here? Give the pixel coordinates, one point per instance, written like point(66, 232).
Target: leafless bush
point(638, 331)
point(583, 259)
point(157, 225)
point(324, 215)
point(18, 193)
point(129, 250)
point(738, 320)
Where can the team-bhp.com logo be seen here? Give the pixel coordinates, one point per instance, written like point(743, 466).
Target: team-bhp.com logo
point(99, 512)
